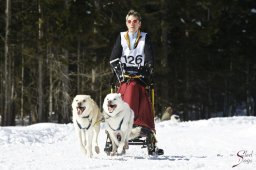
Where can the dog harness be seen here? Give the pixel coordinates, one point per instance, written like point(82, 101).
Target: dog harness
point(86, 128)
point(119, 127)
point(120, 124)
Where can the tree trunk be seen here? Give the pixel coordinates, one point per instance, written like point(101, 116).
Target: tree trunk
point(250, 104)
point(22, 88)
point(187, 93)
point(93, 79)
point(7, 116)
point(65, 89)
point(78, 64)
point(164, 84)
point(50, 66)
point(41, 115)
point(1, 96)
point(225, 101)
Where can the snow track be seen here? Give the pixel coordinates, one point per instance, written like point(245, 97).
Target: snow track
point(201, 145)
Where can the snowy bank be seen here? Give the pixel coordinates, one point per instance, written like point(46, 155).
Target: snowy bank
point(217, 143)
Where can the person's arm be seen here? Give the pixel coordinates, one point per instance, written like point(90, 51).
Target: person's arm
point(149, 61)
point(117, 49)
point(116, 54)
point(149, 55)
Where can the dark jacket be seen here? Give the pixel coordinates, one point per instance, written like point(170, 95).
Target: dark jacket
point(149, 57)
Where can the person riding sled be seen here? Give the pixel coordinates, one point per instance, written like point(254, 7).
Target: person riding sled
point(132, 60)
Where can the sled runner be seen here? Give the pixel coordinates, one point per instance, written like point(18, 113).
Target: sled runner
point(138, 77)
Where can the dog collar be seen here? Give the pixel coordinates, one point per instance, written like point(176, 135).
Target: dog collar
point(79, 125)
point(85, 117)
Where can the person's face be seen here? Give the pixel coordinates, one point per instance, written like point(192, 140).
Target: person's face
point(133, 24)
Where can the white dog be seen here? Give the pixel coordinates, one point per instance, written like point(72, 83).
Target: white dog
point(86, 120)
point(119, 122)
point(175, 118)
point(167, 114)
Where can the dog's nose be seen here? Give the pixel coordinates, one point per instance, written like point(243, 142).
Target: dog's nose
point(109, 102)
point(79, 103)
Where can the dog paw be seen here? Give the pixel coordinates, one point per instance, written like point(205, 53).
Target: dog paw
point(97, 149)
point(126, 145)
point(89, 155)
point(122, 153)
point(84, 150)
point(120, 150)
point(112, 153)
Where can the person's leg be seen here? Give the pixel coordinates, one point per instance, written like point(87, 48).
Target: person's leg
point(145, 111)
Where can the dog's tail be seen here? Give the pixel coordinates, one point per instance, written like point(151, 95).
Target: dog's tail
point(135, 132)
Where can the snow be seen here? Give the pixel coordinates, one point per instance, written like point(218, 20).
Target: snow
point(217, 143)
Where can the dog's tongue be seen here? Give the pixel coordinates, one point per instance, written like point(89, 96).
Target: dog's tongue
point(80, 110)
point(110, 109)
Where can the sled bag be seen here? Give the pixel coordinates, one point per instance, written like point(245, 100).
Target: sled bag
point(137, 97)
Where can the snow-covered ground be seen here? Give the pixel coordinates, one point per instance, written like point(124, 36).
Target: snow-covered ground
point(217, 143)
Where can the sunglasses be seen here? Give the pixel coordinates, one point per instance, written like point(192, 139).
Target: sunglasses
point(132, 21)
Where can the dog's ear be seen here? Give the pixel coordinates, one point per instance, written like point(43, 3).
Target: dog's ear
point(119, 94)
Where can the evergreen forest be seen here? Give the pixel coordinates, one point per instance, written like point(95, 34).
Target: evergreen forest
point(51, 50)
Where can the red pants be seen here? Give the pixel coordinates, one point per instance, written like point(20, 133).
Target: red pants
point(137, 97)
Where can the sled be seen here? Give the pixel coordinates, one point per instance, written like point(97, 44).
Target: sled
point(147, 137)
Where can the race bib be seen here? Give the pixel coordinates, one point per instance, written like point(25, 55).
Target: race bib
point(135, 57)
point(133, 60)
